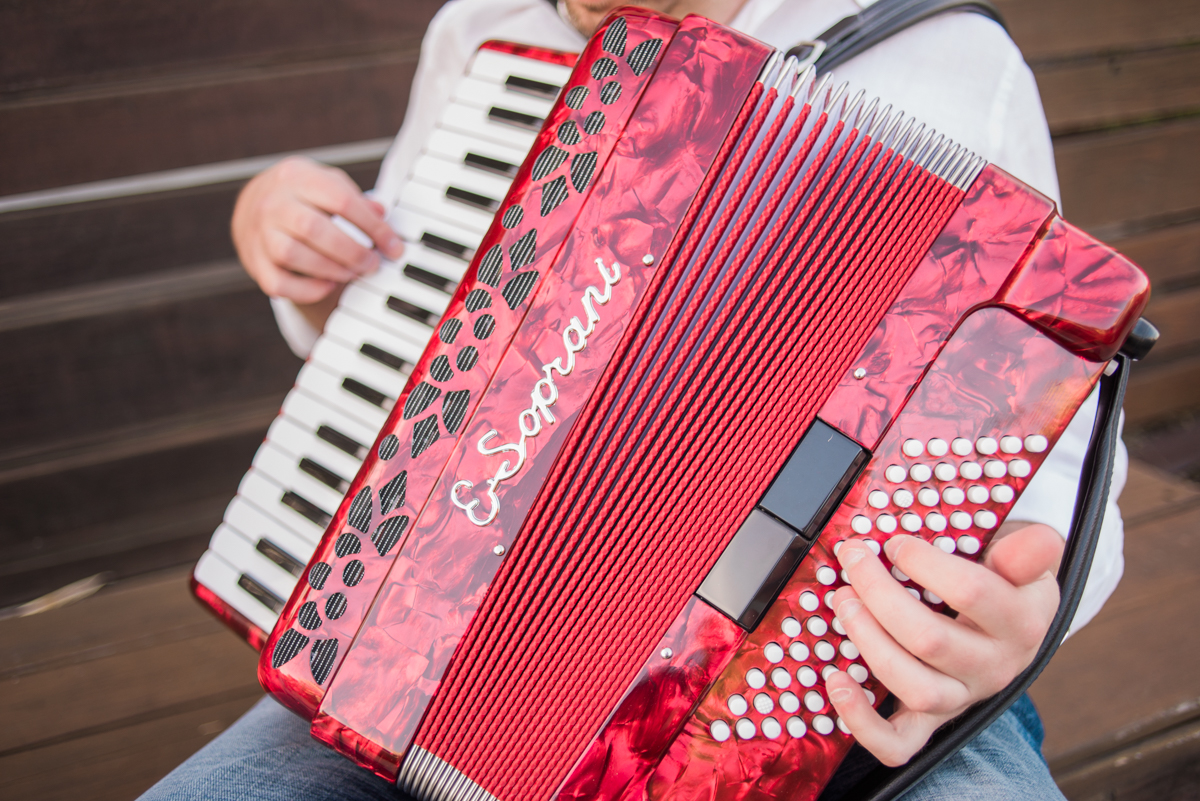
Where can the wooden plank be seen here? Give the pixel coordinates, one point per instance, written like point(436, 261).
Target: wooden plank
point(1073, 27)
point(164, 124)
point(113, 690)
point(1151, 493)
point(1170, 256)
point(107, 692)
point(205, 424)
point(87, 375)
point(66, 246)
point(124, 617)
point(72, 42)
point(1145, 172)
point(125, 517)
point(1098, 92)
point(1161, 391)
point(1164, 766)
point(1131, 655)
point(148, 643)
point(124, 295)
point(119, 764)
point(1177, 317)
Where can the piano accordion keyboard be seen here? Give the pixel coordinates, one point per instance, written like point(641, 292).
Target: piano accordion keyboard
point(360, 364)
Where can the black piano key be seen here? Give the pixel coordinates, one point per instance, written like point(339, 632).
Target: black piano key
point(280, 557)
point(472, 199)
point(449, 247)
point(412, 310)
point(494, 166)
point(324, 475)
point(517, 119)
point(525, 86)
point(343, 443)
point(423, 276)
point(382, 356)
point(372, 396)
point(306, 508)
point(261, 593)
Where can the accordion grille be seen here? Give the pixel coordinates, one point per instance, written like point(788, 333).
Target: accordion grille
point(811, 220)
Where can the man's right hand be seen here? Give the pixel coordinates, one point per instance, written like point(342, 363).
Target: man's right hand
point(286, 240)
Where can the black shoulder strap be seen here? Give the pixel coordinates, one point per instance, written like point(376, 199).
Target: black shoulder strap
point(884, 18)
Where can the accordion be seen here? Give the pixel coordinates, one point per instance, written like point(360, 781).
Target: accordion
point(726, 317)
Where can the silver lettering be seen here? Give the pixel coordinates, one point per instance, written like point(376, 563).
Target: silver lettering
point(543, 396)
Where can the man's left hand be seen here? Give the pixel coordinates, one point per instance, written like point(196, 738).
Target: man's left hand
point(936, 665)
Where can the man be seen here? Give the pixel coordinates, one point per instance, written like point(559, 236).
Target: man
point(959, 73)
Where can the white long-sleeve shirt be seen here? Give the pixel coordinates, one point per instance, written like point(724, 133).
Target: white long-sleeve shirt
point(957, 72)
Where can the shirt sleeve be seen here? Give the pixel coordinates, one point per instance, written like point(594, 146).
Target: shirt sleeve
point(297, 331)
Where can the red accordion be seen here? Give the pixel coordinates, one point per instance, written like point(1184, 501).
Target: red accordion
point(726, 318)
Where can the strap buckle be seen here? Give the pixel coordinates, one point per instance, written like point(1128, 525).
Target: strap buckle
point(808, 52)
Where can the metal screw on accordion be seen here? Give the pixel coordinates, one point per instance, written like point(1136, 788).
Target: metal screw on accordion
point(498, 550)
point(860, 373)
point(666, 653)
point(648, 260)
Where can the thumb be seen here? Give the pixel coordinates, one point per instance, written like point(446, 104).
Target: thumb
point(1026, 554)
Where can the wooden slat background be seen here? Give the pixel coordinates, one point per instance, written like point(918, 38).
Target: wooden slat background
point(139, 368)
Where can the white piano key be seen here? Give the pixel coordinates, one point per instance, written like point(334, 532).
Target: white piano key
point(456, 147)
point(301, 443)
point(442, 172)
point(496, 66)
point(352, 363)
point(284, 470)
point(254, 524)
point(423, 198)
point(434, 270)
point(355, 332)
point(237, 550)
point(485, 94)
point(269, 497)
point(445, 238)
point(328, 388)
point(476, 123)
point(325, 420)
point(222, 578)
point(401, 316)
point(432, 302)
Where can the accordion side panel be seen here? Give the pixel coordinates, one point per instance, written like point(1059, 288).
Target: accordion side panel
point(444, 568)
point(241, 625)
point(1082, 293)
point(766, 729)
point(559, 57)
point(507, 272)
point(967, 266)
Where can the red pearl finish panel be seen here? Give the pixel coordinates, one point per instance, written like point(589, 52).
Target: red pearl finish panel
point(984, 418)
point(231, 617)
point(559, 57)
point(1080, 291)
point(490, 304)
point(646, 720)
point(444, 569)
point(966, 267)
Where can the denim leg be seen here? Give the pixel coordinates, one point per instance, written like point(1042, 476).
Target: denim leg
point(269, 755)
point(1004, 763)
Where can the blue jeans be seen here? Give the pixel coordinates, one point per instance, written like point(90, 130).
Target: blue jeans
point(268, 755)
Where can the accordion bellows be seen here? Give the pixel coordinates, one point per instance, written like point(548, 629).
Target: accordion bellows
point(727, 316)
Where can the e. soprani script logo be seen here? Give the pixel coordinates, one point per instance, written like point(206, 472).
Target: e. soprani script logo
point(541, 398)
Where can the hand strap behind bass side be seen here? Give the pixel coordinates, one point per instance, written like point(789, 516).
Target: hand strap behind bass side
point(852, 35)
